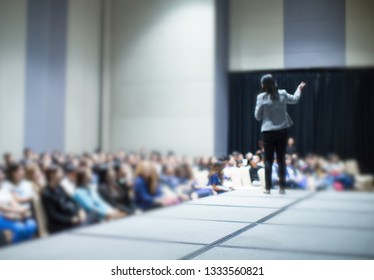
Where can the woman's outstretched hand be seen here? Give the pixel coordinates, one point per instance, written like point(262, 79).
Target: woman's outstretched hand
point(301, 86)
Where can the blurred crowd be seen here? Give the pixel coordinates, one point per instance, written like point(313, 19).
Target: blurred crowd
point(41, 194)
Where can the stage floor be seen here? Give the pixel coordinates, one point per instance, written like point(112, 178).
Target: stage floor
point(242, 224)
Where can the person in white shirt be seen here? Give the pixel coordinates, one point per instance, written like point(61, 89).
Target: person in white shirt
point(227, 170)
point(14, 217)
point(69, 182)
point(21, 189)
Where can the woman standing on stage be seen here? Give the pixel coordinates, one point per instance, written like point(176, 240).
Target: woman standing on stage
point(271, 108)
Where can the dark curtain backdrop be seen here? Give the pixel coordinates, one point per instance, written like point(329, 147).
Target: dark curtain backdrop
point(335, 113)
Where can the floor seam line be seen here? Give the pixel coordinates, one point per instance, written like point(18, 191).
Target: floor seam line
point(258, 196)
point(240, 231)
point(266, 223)
point(241, 206)
point(136, 238)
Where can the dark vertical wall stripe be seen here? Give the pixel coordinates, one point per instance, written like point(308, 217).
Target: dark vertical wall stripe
point(57, 74)
point(314, 33)
point(45, 74)
point(221, 78)
point(36, 74)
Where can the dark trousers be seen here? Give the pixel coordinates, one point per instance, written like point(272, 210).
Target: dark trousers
point(275, 141)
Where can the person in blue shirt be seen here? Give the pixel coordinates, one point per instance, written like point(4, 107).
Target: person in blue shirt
point(188, 184)
point(89, 199)
point(216, 178)
point(294, 178)
point(148, 194)
point(171, 184)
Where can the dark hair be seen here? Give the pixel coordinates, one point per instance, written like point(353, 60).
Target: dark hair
point(70, 168)
point(269, 85)
point(117, 165)
point(81, 177)
point(217, 169)
point(184, 171)
point(251, 161)
point(13, 167)
point(50, 172)
point(224, 158)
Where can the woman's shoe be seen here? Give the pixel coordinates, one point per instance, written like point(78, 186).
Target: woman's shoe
point(282, 191)
point(267, 192)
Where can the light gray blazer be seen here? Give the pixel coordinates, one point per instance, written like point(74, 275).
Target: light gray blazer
point(274, 114)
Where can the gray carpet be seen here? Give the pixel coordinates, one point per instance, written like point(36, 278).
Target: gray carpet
point(242, 224)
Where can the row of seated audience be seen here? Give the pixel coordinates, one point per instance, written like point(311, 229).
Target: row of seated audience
point(49, 193)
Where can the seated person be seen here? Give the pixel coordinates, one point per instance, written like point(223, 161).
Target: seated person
point(340, 179)
point(291, 147)
point(202, 164)
point(200, 183)
point(14, 217)
point(112, 192)
point(21, 189)
point(239, 163)
point(62, 211)
point(148, 193)
point(171, 184)
point(248, 157)
point(124, 180)
point(90, 200)
point(253, 171)
point(216, 178)
point(294, 178)
point(229, 164)
point(69, 182)
point(188, 184)
point(168, 177)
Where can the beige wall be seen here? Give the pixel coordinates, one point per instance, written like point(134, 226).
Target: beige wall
point(359, 32)
point(12, 74)
point(252, 23)
point(162, 75)
point(82, 75)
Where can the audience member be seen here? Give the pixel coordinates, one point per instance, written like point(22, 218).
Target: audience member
point(148, 193)
point(90, 200)
point(291, 148)
point(294, 178)
point(216, 178)
point(21, 189)
point(62, 211)
point(124, 180)
point(253, 171)
point(14, 217)
point(113, 193)
point(69, 182)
